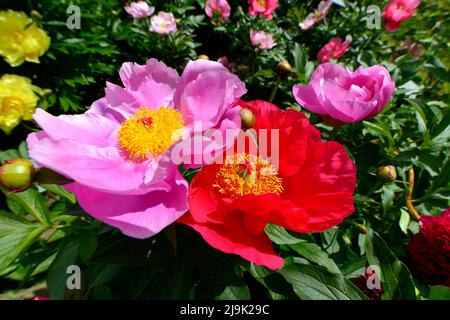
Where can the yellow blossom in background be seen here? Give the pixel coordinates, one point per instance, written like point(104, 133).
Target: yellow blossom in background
point(21, 39)
point(18, 99)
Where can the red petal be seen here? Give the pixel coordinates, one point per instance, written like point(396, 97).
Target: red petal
point(323, 186)
point(232, 236)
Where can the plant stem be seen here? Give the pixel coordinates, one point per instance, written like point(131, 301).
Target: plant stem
point(275, 89)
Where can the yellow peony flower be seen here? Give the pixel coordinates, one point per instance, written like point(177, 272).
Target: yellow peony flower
point(21, 39)
point(18, 100)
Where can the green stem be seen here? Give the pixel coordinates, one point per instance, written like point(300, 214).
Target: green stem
point(275, 89)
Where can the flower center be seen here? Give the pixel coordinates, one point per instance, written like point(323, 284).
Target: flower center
point(244, 174)
point(262, 3)
point(150, 132)
point(11, 104)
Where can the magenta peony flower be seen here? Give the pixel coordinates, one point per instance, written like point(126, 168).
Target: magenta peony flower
point(344, 95)
point(139, 9)
point(262, 39)
point(221, 6)
point(263, 7)
point(397, 11)
point(314, 17)
point(120, 152)
point(334, 49)
point(429, 250)
point(163, 22)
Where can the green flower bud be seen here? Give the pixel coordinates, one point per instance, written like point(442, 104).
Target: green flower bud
point(247, 118)
point(16, 175)
point(387, 172)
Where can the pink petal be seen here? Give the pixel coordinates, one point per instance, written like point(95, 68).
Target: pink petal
point(137, 216)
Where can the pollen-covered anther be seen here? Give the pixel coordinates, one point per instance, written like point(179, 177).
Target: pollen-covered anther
point(244, 174)
point(150, 132)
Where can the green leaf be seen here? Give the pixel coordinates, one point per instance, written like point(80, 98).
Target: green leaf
point(439, 293)
point(55, 189)
point(88, 244)
point(234, 293)
point(57, 273)
point(405, 219)
point(314, 253)
point(33, 203)
point(279, 235)
point(16, 235)
point(395, 276)
point(380, 130)
point(315, 283)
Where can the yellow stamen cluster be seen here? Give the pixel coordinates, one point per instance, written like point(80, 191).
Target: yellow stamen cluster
point(150, 132)
point(244, 174)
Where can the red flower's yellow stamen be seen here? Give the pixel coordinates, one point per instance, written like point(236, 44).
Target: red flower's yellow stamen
point(150, 132)
point(244, 174)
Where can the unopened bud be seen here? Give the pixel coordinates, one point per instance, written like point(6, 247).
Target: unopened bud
point(284, 68)
point(247, 118)
point(203, 57)
point(16, 175)
point(387, 172)
point(35, 15)
point(47, 91)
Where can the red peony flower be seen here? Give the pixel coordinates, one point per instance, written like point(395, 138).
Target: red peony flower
point(312, 190)
point(334, 49)
point(397, 11)
point(429, 250)
point(265, 8)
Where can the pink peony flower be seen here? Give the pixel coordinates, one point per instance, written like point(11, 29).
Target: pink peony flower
point(334, 49)
point(139, 9)
point(263, 7)
point(220, 6)
point(164, 23)
point(314, 17)
point(119, 152)
point(262, 39)
point(345, 95)
point(397, 11)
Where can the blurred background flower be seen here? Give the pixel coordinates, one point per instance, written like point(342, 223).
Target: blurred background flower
point(21, 39)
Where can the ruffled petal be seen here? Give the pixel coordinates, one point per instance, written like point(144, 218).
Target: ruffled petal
point(205, 93)
point(102, 168)
point(137, 216)
point(89, 128)
point(323, 186)
point(232, 236)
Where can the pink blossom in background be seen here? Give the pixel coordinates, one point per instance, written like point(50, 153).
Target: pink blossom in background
point(334, 49)
point(118, 153)
point(139, 9)
point(314, 17)
point(263, 7)
point(224, 61)
point(344, 95)
point(415, 49)
point(220, 6)
point(261, 39)
point(163, 23)
point(397, 11)
point(41, 298)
